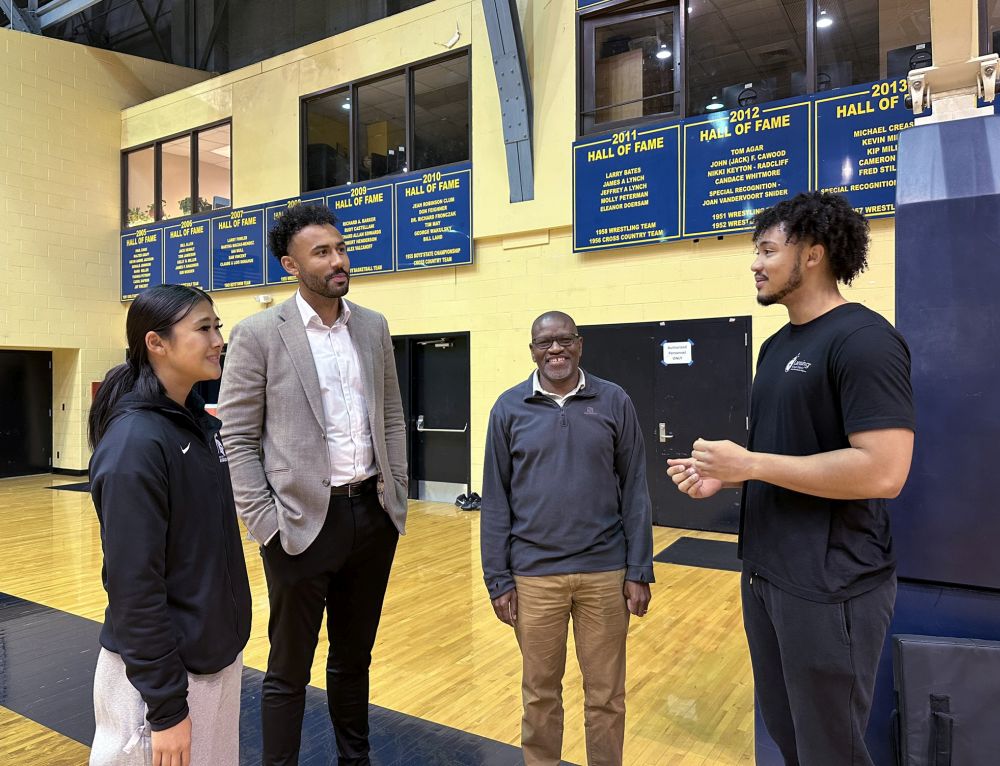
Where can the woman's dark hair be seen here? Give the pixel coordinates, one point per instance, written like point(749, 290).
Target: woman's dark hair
point(820, 218)
point(157, 310)
point(294, 220)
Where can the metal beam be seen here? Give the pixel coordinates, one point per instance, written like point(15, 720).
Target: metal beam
point(220, 9)
point(20, 19)
point(511, 69)
point(57, 11)
point(151, 23)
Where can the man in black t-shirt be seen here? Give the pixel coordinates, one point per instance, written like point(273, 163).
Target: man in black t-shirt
point(831, 436)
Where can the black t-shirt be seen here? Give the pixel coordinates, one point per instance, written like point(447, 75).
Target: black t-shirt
point(844, 372)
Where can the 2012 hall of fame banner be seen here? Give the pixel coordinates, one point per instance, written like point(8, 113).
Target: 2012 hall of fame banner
point(738, 162)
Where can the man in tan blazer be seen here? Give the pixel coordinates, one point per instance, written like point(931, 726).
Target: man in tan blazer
point(313, 427)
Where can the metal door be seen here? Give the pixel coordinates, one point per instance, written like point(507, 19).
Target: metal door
point(687, 379)
point(26, 412)
point(435, 383)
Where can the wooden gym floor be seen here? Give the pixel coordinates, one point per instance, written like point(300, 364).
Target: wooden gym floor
point(442, 662)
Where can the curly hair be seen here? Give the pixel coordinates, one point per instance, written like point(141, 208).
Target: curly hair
point(820, 218)
point(294, 220)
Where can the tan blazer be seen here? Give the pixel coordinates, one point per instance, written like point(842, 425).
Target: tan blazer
point(273, 425)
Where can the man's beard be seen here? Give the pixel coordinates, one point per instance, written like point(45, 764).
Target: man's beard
point(793, 284)
point(325, 287)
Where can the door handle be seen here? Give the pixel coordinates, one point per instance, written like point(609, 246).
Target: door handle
point(663, 433)
point(421, 429)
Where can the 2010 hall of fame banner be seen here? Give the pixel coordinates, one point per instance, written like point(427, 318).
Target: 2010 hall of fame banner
point(434, 219)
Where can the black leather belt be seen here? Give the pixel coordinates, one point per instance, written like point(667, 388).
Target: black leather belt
point(355, 489)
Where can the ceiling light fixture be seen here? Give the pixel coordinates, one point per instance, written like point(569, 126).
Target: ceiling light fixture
point(824, 20)
point(714, 105)
point(664, 52)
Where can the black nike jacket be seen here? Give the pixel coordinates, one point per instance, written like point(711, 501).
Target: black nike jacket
point(178, 594)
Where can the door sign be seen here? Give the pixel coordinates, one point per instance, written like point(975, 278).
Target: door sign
point(679, 352)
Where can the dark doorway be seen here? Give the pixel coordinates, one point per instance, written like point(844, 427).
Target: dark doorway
point(434, 382)
point(687, 379)
point(26, 412)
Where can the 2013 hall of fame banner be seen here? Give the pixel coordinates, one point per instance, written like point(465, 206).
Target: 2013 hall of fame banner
point(857, 136)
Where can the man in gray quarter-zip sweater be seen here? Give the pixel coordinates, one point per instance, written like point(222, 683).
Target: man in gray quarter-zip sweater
point(566, 532)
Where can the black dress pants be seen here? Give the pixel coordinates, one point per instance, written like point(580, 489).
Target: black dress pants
point(345, 571)
point(814, 669)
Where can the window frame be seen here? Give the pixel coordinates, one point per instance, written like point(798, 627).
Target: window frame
point(586, 89)
point(354, 124)
point(157, 145)
point(625, 10)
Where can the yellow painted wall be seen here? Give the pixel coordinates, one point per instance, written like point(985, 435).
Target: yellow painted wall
point(60, 144)
point(524, 260)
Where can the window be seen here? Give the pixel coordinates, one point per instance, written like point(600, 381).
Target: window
point(740, 52)
point(178, 176)
point(754, 53)
point(175, 163)
point(381, 128)
point(441, 113)
point(139, 184)
point(214, 180)
point(631, 66)
point(989, 21)
point(394, 123)
point(328, 140)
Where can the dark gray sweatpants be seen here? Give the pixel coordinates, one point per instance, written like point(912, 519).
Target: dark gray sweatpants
point(814, 669)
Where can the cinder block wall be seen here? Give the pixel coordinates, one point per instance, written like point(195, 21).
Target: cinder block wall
point(60, 144)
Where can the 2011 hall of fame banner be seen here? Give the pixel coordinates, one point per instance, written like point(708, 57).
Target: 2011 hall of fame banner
point(626, 188)
point(741, 161)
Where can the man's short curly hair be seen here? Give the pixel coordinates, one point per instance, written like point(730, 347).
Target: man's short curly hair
point(820, 218)
point(294, 220)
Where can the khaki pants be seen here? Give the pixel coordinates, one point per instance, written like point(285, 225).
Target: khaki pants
point(600, 626)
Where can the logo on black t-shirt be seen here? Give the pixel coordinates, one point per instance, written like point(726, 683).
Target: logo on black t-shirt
point(797, 365)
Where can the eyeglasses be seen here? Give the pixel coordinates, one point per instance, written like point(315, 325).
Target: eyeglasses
point(565, 341)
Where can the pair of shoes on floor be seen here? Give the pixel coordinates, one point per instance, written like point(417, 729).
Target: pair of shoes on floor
point(471, 502)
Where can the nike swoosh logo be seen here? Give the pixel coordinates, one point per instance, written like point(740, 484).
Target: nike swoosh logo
point(184, 450)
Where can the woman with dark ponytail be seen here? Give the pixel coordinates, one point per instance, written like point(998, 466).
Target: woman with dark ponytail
point(167, 686)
